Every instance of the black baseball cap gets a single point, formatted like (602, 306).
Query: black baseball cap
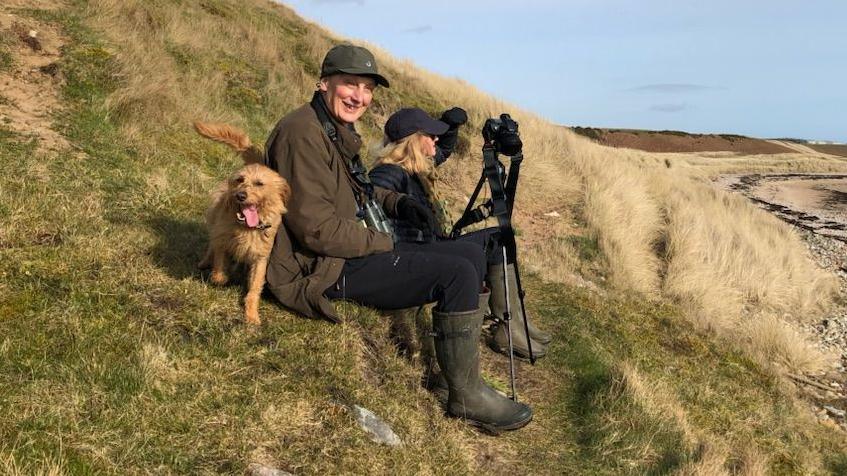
(409, 120)
(351, 59)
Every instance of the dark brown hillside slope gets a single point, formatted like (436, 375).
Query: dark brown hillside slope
(677, 141)
(834, 149)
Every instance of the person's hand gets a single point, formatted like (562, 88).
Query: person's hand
(417, 214)
(454, 117)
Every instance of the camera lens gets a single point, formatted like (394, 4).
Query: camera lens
(510, 144)
(503, 134)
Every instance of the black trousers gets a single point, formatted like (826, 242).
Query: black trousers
(489, 240)
(447, 272)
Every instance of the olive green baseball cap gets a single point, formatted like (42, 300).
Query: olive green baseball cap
(351, 59)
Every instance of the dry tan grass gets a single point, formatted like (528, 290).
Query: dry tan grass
(711, 461)
(657, 407)
(778, 343)
(727, 259)
(626, 219)
(158, 89)
(656, 401)
(10, 467)
(711, 455)
(662, 229)
(708, 165)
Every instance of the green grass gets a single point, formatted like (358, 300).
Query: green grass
(6, 63)
(587, 247)
(6, 59)
(116, 355)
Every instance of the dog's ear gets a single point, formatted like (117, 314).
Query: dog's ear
(284, 191)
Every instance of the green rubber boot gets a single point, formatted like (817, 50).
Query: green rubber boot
(540, 339)
(434, 380)
(457, 348)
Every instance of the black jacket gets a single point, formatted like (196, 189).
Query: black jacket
(396, 178)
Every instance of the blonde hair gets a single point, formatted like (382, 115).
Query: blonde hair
(407, 153)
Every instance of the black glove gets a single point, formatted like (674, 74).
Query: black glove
(454, 117)
(419, 215)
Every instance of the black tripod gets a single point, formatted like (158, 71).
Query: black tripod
(500, 205)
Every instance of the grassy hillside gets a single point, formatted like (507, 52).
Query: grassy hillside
(117, 357)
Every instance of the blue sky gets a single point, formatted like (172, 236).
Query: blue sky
(759, 68)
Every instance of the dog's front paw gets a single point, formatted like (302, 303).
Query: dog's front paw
(252, 317)
(219, 277)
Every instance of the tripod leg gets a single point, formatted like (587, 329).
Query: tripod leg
(507, 318)
(523, 310)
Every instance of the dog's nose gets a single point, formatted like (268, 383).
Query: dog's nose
(241, 196)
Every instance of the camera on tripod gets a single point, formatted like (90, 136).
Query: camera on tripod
(503, 134)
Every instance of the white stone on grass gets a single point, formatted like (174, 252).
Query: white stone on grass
(378, 430)
(835, 411)
(257, 469)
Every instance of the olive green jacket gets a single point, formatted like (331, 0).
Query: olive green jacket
(320, 229)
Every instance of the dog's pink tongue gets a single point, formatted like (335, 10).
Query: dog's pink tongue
(251, 215)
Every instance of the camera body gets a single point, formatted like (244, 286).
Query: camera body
(503, 134)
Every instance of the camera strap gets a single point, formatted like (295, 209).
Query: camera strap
(502, 194)
(512, 181)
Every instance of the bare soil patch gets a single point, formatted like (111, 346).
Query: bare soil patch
(29, 88)
(676, 141)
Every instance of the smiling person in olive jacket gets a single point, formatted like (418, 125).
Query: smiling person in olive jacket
(323, 251)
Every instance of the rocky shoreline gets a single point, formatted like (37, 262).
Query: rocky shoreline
(822, 227)
(829, 396)
(831, 331)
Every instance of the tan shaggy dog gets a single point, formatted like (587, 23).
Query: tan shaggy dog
(244, 216)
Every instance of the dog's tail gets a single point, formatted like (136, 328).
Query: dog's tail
(233, 137)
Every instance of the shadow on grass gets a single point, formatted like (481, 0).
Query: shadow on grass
(607, 421)
(837, 464)
(181, 245)
(611, 430)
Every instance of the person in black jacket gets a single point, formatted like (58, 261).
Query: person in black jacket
(407, 159)
(414, 144)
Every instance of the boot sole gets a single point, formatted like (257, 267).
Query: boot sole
(517, 352)
(492, 429)
(545, 342)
